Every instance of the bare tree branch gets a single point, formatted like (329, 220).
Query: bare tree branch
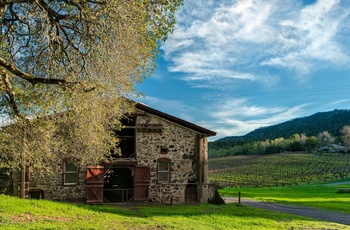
(4, 3)
(32, 79)
(53, 15)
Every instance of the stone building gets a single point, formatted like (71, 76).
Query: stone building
(163, 159)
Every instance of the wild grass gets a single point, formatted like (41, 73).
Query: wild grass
(40, 214)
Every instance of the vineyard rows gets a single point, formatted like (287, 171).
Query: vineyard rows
(283, 169)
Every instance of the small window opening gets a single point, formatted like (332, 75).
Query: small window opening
(36, 194)
(70, 173)
(164, 170)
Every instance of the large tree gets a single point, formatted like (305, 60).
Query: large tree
(51, 49)
(71, 63)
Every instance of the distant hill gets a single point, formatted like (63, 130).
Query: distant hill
(331, 121)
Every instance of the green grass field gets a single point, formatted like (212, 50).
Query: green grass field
(40, 214)
(323, 196)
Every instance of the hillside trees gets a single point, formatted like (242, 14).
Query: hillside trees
(312, 143)
(297, 142)
(300, 134)
(345, 131)
(332, 121)
(73, 62)
(325, 137)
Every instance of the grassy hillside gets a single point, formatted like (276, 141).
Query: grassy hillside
(38, 214)
(283, 169)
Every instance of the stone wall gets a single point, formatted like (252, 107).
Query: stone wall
(167, 140)
(182, 151)
(53, 188)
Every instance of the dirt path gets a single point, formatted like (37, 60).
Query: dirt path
(295, 210)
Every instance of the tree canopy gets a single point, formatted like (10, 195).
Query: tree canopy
(53, 49)
(74, 62)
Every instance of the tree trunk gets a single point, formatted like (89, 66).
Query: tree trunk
(23, 183)
(24, 162)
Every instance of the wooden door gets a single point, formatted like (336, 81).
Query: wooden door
(142, 177)
(191, 193)
(94, 184)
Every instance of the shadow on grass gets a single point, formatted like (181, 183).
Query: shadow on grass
(190, 211)
(124, 210)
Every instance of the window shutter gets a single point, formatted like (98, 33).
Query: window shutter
(142, 179)
(94, 184)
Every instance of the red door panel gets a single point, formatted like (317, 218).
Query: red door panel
(94, 184)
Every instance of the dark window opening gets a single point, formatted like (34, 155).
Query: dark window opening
(126, 145)
(191, 191)
(36, 194)
(118, 184)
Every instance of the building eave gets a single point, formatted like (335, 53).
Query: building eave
(176, 120)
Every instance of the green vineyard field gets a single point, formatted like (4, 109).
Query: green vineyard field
(284, 169)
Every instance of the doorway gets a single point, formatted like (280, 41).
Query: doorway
(118, 184)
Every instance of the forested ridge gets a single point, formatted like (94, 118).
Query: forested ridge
(300, 134)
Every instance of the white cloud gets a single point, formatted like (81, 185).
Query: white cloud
(249, 20)
(240, 108)
(235, 39)
(236, 117)
(311, 37)
(244, 46)
(339, 102)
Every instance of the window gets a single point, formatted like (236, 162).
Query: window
(70, 173)
(164, 170)
(127, 138)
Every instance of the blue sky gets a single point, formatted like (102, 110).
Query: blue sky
(232, 66)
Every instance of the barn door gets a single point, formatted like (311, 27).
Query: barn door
(94, 184)
(142, 179)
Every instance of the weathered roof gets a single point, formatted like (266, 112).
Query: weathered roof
(175, 120)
